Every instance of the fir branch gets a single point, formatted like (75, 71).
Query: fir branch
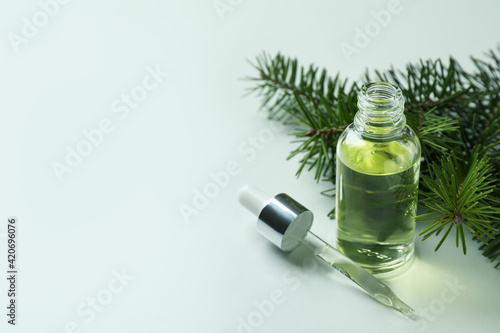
(460, 194)
(281, 80)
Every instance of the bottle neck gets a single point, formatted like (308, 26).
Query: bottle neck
(380, 109)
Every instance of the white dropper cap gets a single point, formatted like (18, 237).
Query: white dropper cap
(253, 199)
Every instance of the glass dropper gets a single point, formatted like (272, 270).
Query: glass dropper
(286, 223)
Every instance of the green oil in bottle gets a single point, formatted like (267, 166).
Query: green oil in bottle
(376, 210)
(378, 164)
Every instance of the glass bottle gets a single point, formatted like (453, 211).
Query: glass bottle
(378, 166)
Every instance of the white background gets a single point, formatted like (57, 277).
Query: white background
(118, 211)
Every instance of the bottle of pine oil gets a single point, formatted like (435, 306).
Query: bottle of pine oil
(378, 165)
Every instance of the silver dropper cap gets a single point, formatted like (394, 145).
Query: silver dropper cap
(281, 219)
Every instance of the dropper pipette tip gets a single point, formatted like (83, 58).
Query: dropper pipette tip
(402, 307)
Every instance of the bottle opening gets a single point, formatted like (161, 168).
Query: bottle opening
(381, 107)
(380, 97)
